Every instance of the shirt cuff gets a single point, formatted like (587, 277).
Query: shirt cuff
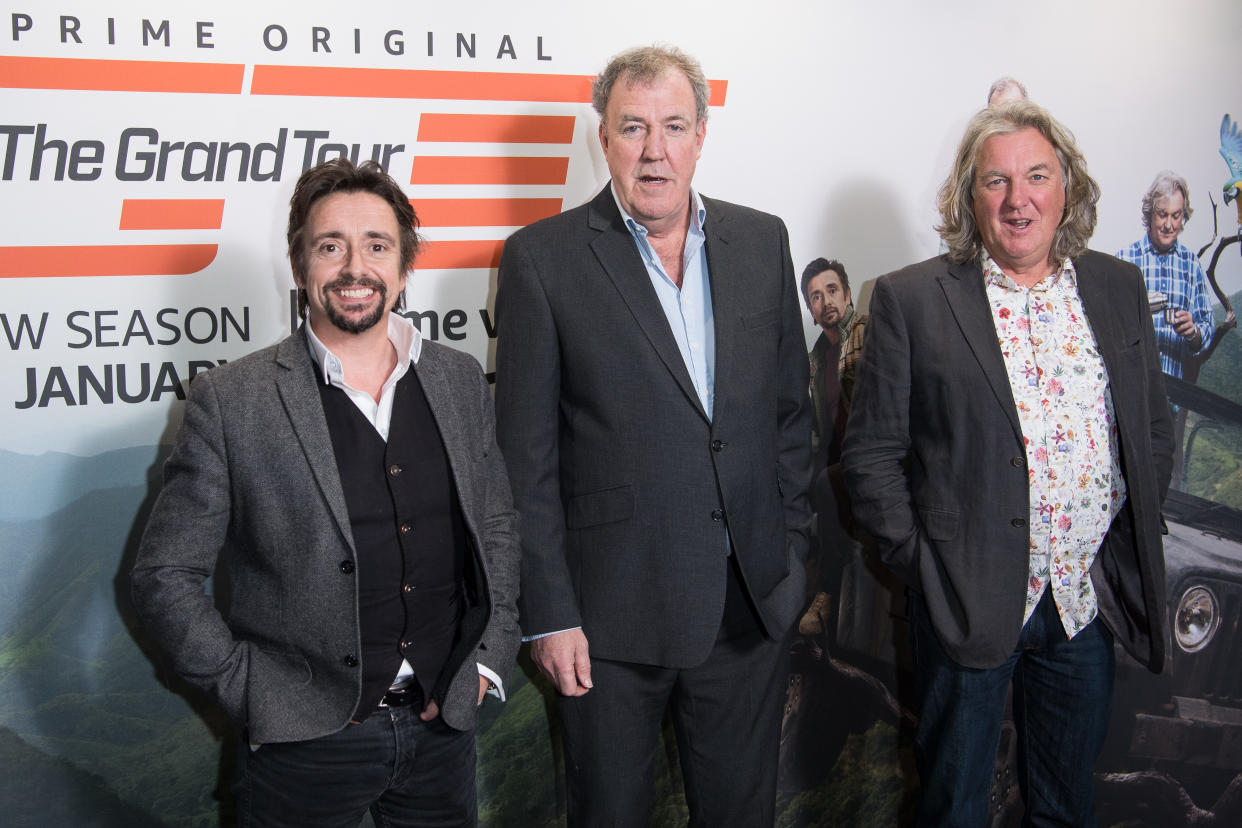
(497, 688)
(529, 638)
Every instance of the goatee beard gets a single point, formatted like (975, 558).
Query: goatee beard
(355, 325)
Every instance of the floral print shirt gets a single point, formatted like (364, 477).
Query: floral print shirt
(1060, 388)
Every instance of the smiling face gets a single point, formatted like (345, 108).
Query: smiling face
(1168, 216)
(652, 139)
(354, 273)
(1019, 195)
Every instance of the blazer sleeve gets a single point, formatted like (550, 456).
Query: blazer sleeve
(874, 455)
(1157, 399)
(501, 550)
(528, 368)
(187, 530)
(795, 414)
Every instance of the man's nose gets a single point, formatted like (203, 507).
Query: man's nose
(353, 261)
(653, 145)
(1017, 194)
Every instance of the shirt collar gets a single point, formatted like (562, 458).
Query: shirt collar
(993, 275)
(1151, 248)
(700, 213)
(405, 339)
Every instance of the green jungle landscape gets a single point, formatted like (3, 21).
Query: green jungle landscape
(95, 732)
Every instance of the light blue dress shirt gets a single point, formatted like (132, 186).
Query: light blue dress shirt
(688, 309)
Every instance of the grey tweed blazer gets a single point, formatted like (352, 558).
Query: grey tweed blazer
(252, 480)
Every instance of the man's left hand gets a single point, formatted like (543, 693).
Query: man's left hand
(483, 685)
(430, 711)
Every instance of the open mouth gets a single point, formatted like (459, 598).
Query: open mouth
(355, 293)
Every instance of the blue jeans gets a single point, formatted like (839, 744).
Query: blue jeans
(1062, 700)
(407, 772)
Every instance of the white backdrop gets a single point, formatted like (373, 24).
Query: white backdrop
(840, 117)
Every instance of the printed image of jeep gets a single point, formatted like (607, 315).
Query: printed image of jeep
(1174, 751)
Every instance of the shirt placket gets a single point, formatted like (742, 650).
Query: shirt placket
(1061, 466)
(1041, 518)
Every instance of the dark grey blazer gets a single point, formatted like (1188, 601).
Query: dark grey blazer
(625, 488)
(252, 478)
(936, 468)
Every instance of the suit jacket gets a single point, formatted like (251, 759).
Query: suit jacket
(253, 477)
(936, 466)
(628, 493)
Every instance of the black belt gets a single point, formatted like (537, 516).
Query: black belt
(408, 696)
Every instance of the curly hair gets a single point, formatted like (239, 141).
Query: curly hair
(340, 175)
(956, 199)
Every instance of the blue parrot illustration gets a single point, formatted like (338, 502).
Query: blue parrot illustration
(1231, 151)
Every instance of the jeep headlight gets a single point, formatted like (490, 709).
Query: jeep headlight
(1198, 616)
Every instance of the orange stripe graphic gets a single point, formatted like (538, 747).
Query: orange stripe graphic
(120, 75)
(329, 81)
(484, 212)
(497, 129)
(452, 255)
(105, 260)
(455, 169)
(172, 213)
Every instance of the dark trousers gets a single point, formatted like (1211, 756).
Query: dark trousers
(406, 772)
(727, 717)
(1062, 700)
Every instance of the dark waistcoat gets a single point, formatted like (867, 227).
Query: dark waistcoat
(409, 536)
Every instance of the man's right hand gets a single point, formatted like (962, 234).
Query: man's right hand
(563, 658)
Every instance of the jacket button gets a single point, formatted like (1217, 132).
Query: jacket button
(405, 645)
(718, 514)
(350, 661)
(347, 566)
(394, 470)
(718, 445)
(407, 588)
(1017, 462)
(1017, 523)
(406, 528)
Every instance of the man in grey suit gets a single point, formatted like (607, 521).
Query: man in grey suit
(1009, 448)
(652, 405)
(350, 477)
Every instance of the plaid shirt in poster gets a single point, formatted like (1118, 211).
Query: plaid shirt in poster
(1176, 274)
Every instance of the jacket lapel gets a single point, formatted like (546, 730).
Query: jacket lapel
(300, 395)
(968, 302)
(725, 279)
(437, 388)
(618, 255)
(1096, 304)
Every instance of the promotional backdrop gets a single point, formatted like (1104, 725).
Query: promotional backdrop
(147, 155)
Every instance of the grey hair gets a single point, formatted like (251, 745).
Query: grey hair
(956, 198)
(644, 64)
(1001, 84)
(1166, 184)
